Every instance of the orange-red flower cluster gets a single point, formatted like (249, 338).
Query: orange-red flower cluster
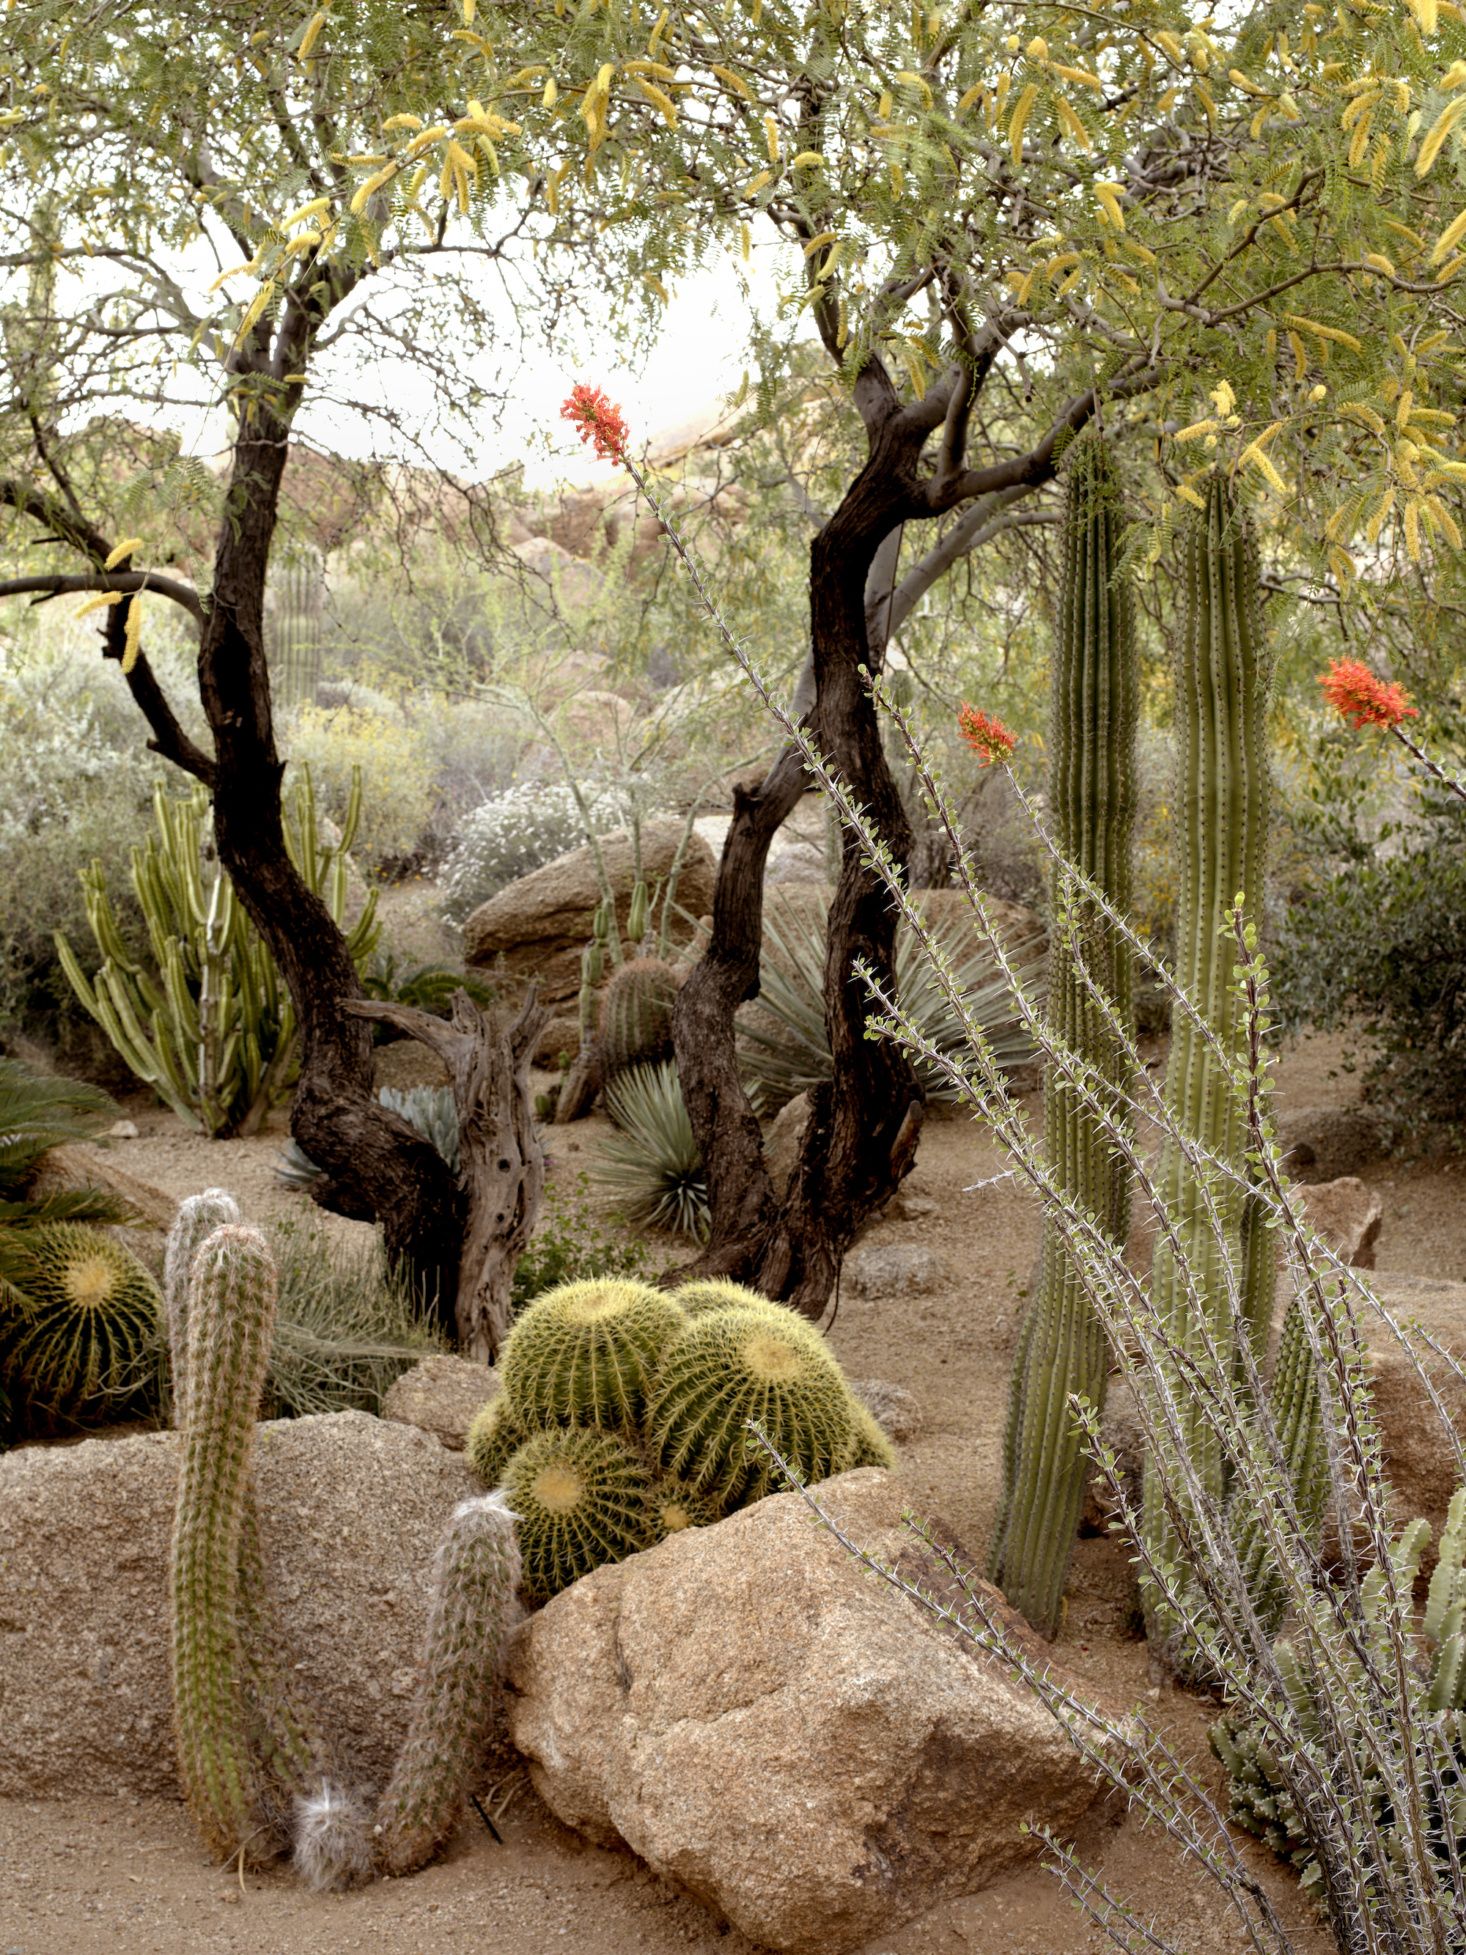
(597, 420)
(1364, 700)
(989, 739)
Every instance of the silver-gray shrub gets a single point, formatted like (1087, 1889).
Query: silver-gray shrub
(516, 831)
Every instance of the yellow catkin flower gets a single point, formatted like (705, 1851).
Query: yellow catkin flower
(1187, 494)
(1380, 516)
(756, 183)
(311, 35)
(659, 99)
(104, 602)
(1403, 406)
(973, 94)
(120, 550)
(1108, 195)
(1021, 112)
(132, 634)
(1196, 430)
(818, 242)
(1446, 243)
(551, 94)
(1444, 520)
(314, 209)
(771, 138)
(1081, 77)
(1412, 528)
(1263, 464)
(1076, 128)
(1336, 334)
(745, 239)
(1444, 123)
(729, 80)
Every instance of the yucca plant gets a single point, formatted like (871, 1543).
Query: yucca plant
(653, 1164)
(783, 1044)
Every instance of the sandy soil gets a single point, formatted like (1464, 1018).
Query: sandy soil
(107, 1875)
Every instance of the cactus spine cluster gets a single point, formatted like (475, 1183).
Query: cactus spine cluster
(1063, 1350)
(88, 1318)
(475, 1577)
(636, 1015)
(623, 1417)
(210, 1027)
(1222, 680)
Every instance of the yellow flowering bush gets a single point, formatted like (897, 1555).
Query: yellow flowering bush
(396, 775)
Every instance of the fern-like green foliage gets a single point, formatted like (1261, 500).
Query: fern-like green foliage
(210, 1026)
(80, 1319)
(653, 1165)
(783, 1045)
(39, 1111)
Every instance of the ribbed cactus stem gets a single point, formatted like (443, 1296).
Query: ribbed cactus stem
(1293, 1399)
(1221, 829)
(473, 1608)
(1062, 1350)
(197, 1218)
(232, 1314)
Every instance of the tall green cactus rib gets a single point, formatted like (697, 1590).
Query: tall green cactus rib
(197, 1218)
(475, 1577)
(1297, 1412)
(231, 1320)
(210, 1027)
(1222, 675)
(1095, 704)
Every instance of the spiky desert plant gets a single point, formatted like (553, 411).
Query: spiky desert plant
(1222, 675)
(494, 1437)
(1094, 709)
(636, 1016)
(873, 1446)
(346, 1325)
(718, 1293)
(210, 1026)
(739, 1365)
(1297, 1413)
(231, 1318)
(653, 1164)
(784, 1047)
(588, 1353)
(197, 1218)
(80, 1318)
(475, 1576)
(581, 1498)
(433, 1111)
(676, 1505)
(39, 1111)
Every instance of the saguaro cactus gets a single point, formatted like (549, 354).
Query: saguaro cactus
(1095, 702)
(1222, 676)
(233, 1316)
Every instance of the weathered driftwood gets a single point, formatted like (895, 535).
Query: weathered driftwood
(502, 1164)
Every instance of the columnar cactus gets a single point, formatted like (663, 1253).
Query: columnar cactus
(1293, 1399)
(1222, 679)
(636, 1015)
(475, 1577)
(197, 1218)
(232, 1318)
(1095, 702)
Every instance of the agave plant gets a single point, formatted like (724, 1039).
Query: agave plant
(430, 1109)
(783, 1046)
(652, 1164)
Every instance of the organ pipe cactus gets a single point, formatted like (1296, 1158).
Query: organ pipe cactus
(232, 1317)
(1095, 702)
(1222, 676)
(210, 1027)
(475, 1577)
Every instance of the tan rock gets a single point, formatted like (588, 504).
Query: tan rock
(540, 924)
(1347, 1214)
(351, 1508)
(440, 1395)
(1321, 1143)
(1419, 1461)
(895, 1409)
(782, 1141)
(786, 1739)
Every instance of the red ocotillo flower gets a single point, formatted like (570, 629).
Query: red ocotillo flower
(989, 739)
(1362, 698)
(598, 421)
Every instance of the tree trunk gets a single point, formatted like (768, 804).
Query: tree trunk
(860, 1139)
(376, 1166)
(501, 1162)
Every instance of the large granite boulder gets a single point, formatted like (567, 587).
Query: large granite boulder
(441, 1394)
(791, 1742)
(538, 926)
(351, 1509)
(1419, 1460)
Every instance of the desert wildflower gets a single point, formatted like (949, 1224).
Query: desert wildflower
(598, 421)
(989, 739)
(1363, 699)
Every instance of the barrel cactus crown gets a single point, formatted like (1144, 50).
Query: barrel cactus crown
(717, 1293)
(494, 1436)
(587, 1353)
(636, 1015)
(581, 1498)
(742, 1365)
(85, 1323)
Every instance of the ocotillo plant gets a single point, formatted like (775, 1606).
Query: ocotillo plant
(1063, 1350)
(1204, 1271)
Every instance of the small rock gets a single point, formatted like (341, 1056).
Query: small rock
(122, 1130)
(1322, 1143)
(1347, 1214)
(1418, 1461)
(895, 1409)
(440, 1395)
(892, 1269)
(783, 1738)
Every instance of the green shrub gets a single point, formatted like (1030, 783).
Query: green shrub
(339, 743)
